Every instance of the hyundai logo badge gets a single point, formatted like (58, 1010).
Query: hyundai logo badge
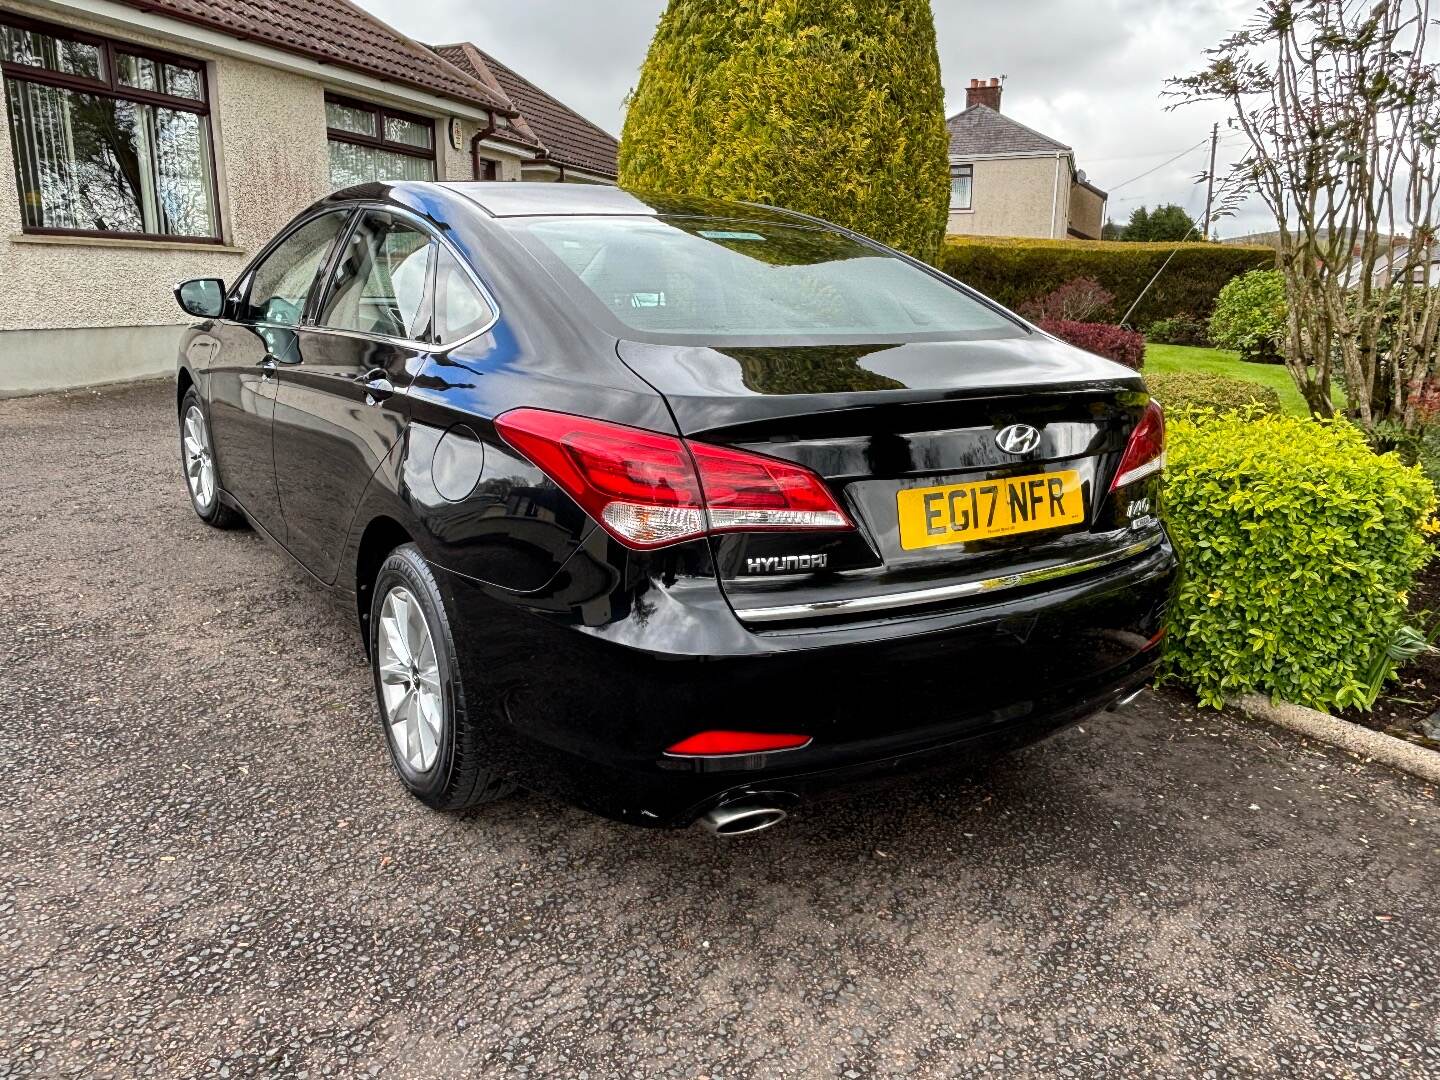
(1018, 439)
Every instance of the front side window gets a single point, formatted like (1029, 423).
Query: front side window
(281, 283)
(107, 138)
(962, 183)
(369, 143)
(381, 280)
(712, 280)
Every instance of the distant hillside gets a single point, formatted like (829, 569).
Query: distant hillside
(1271, 239)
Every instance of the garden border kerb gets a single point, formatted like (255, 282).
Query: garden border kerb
(1376, 745)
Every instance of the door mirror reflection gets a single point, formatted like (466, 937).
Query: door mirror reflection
(202, 297)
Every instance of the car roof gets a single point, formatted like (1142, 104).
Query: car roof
(532, 199)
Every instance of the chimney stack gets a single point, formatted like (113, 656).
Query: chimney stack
(979, 92)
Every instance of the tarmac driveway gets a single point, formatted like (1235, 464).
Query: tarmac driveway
(206, 868)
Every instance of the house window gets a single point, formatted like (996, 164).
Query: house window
(108, 138)
(962, 181)
(369, 143)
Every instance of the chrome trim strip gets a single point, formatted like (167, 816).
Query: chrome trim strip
(886, 601)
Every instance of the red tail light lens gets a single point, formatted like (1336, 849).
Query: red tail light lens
(1145, 453)
(720, 743)
(649, 489)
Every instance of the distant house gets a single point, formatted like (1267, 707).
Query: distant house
(1009, 180)
(567, 147)
(157, 140)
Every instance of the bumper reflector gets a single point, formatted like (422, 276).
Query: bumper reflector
(722, 743)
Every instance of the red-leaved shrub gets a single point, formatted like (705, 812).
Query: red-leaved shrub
(1078, 300)
(1113, 342)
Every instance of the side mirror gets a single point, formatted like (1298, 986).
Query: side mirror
(202, 297)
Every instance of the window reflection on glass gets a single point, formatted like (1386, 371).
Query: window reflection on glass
(406, 131)
(720, 279)
(351, 164)
(346, 118)
(137, 71)
(53, 53)
(460, 309)
(182, 81)
(379, 282)
(96, 163)
(282, 282)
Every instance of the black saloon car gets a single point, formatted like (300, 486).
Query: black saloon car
(675, 509)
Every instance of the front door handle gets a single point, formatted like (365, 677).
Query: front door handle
(377, 387)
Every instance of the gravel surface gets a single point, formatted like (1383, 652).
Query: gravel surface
(206, 868)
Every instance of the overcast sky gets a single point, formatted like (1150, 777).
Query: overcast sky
(1086, 72)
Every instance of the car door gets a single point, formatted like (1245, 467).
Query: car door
(251, 345)
(340, 407)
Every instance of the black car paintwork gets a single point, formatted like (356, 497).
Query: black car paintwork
(584, 659)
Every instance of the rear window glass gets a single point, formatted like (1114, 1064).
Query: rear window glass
(717, 280)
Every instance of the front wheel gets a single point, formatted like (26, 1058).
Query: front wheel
(197, 457)
(433, 739)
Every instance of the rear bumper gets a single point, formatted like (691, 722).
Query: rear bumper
(584, 712)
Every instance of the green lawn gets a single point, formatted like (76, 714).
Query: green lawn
(1168, 358)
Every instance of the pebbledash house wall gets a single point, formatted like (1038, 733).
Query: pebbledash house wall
(85, 310)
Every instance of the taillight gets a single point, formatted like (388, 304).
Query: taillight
(725, 743)
(649, 490)
(1145, 453)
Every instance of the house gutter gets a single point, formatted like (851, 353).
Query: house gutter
(475, 141)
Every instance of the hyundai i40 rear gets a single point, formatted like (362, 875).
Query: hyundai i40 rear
(677, 510)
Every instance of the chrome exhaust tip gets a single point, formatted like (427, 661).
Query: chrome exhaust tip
(739, 818)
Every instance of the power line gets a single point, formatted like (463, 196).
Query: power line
(1188, 150)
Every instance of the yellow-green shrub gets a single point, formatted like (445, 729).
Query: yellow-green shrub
(831, 107)
(1204, 389)
(1298, 545)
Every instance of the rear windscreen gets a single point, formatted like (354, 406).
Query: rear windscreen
(716, 279)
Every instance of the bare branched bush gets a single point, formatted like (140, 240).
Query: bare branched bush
(1340, 108)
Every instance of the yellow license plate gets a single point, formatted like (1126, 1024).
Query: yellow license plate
(955, 513)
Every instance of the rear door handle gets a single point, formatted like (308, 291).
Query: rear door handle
(377, 387)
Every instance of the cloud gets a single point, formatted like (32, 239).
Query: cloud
(1087, 73)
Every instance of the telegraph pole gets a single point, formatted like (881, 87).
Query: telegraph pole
(1210, 182)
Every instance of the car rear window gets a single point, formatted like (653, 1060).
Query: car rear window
(717, 280)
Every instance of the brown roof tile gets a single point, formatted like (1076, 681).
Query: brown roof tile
(566, 136)
(334, 32)
(469, 60)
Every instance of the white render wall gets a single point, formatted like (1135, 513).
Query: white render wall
(1016, 197)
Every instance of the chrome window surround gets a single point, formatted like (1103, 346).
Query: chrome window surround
(886, 601)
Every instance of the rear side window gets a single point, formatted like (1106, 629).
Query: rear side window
(715, 280)
(281, 283)
(460, 308)
(380, 283)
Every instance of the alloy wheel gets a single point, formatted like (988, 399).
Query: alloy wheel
(409, 680)
(199, 461)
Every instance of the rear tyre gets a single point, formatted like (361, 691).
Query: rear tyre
(433, 737)
(197, 458)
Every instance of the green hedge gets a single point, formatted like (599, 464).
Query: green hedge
(1298, 545)
(1203, 389)
(833, 107)
(1014, 271)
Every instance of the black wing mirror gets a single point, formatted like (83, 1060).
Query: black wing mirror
(202, 297)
